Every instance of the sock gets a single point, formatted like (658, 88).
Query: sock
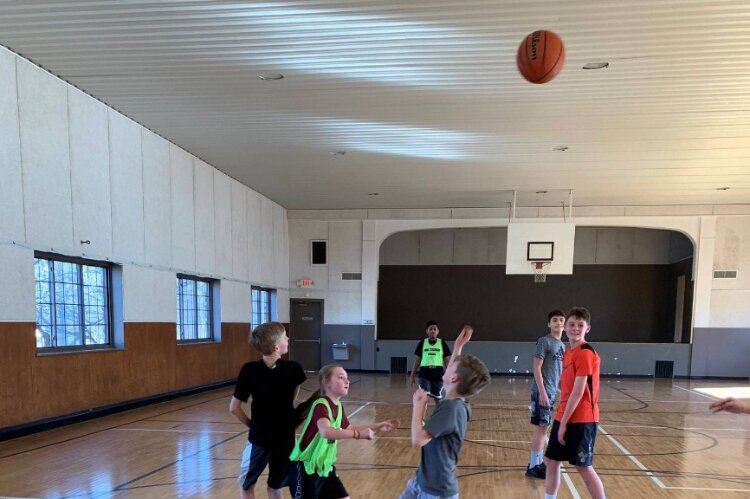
(537, 457)
(550, 496)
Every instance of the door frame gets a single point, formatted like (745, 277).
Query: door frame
(322, 321)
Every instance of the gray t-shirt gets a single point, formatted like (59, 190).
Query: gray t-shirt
(437, 469)
(550, 350)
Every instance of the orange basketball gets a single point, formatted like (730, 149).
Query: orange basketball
(541, 56)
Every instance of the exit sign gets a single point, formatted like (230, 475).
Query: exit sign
(305, 283)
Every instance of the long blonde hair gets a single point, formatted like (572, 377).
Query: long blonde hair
(324, 376)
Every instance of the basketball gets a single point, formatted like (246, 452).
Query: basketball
(541, 56)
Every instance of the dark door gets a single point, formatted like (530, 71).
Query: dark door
(306, 322)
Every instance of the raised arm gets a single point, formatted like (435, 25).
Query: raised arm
(463, 339)
(419, 437)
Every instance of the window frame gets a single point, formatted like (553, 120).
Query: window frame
(271, 292)
(80, 262)
(211, 330)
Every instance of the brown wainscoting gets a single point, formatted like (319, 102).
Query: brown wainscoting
(37, 387)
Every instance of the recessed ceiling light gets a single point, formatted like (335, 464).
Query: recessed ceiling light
(542, 192)
(722, 188)
(271, 76)
(596, 65)
(560, 148)
(338, 153)
(373, 194)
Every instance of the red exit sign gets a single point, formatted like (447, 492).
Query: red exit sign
(305, 283)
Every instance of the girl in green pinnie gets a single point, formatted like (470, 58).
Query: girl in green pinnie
(313, 475)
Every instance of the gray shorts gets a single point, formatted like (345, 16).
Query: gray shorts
(414, 491)
(541, 416)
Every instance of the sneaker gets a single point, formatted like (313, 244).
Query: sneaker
(538, 471)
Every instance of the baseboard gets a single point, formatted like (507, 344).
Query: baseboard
(10, 432)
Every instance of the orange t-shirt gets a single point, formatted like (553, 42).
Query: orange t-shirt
(580, 361)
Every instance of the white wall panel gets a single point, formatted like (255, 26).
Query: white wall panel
(584, 248)
(650, 246)
(222, 223)
(343, 307)
(266, 240)
(344, 253)
(204, 217)
(183, 213)
(126, 174)
(436, 247)
(401, 248)
(45, 153)
(280, 265)
(732, 252)
(282, 300)
(157, 204)
(497, 242)
(235, 301)
(11, 187)
(17, 302)
(255, 231)
(301, 233)
(89, 164)
(730, 308)
(239, 230)
(149, 295)
(470, 247)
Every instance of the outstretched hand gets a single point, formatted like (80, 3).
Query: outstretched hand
(464, 337)
(729, 404)
(389, 425)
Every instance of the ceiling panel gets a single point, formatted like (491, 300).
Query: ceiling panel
(422, 97)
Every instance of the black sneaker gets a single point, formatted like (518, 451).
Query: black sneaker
(538, 471)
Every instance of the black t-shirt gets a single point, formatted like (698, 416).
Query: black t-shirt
(272, 408)
(434, 373)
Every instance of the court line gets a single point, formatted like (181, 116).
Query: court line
(174, 431)
(632, 458)
(689, 390)
(674, 427)
(355, 412)
(708, 489)
(569, 482)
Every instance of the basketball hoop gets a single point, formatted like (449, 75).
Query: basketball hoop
(540, 271)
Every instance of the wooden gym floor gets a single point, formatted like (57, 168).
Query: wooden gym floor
(657, 440)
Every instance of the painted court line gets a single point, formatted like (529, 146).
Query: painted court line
(173, 431)
(569, 483)
(694, 392)
(355, 412)
(632, 458)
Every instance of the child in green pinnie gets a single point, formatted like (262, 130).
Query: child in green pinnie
(313, 475)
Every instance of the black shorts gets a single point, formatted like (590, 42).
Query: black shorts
(304, 486)
(255, 459)
(433, 387)
(579, 444)
(540, 416)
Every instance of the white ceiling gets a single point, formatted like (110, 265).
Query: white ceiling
(423, 96)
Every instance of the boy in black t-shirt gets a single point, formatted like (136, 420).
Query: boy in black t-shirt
(431, 352)
(273, 384)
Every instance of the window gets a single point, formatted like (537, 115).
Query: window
(261, 306)
(73, 306)
(318, 252)
(194, 309)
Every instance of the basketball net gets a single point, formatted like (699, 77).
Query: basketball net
(540, 271)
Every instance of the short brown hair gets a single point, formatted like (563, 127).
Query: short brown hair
(579, 313)
(265, 336)
(473, 375)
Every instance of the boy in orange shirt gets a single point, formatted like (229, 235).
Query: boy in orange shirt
(577, 419)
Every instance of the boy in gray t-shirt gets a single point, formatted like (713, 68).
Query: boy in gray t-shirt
(442, 436)
(547, 365)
